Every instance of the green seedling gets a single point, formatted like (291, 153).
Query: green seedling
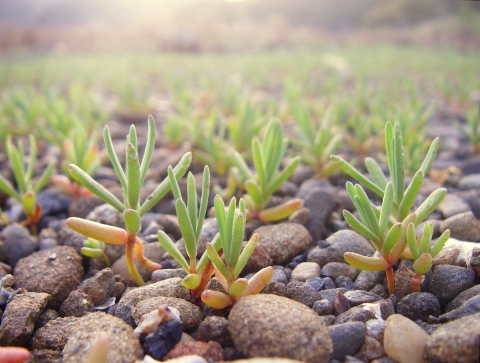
(231, 227)
(386, 228)
(267, 157)
(27, 187)
(190, 220)
(131, 180)
(420, 249)
(472, 129)
(95, 249)
(175, 131)
(317, 141)
(80, 149)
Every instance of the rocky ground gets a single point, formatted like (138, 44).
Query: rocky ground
(315, 309)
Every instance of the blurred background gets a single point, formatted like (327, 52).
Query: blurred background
(223, 26)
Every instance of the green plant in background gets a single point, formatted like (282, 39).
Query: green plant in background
(267, 157)
(175, 131)
(420, 249)
(231, 227)
(317, 141)
(472, 129)
(386, 229)
(28, 188)
(95, 249)
(131, 180)
(190, 220)
(81, 149)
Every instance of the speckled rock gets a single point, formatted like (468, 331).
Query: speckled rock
(419, 306)
(124, 346)
(376, 310)
(190, 314)
(56, 271)
(302, 292)
(347, 339)
(100, 287)
(46, 316)
(366, 280)
(469, 307)
(54, 334)
(255, 322)
(260, 259)
(475, 261)
(19, 317)
(321, 203)
(340, 242)
(463, 226)
(152, 251)
(358, 297)
(336, 269)
(78, 303)
(449, 281)
(457, 341)
(169, 273)
(45, 356)
(371, 349)
(266, 360)
(18, 243)
(215, 328)
(453, 205)
(306, 270)
(323, 307)
(210, 351)
(376, 329)
(462, 298)
(404, 340)
(283, 241)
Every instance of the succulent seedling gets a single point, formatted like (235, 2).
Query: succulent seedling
(190, 220)
(95, 249)
(131, 180)
(28, 188)
(231, 227)
(267, 157)
(420, 249)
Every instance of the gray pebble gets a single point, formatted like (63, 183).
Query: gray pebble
(449, 281)
(336, 269)
(347, 339)
(419, 306)
(323, 307)
(464, 226)
(358, 297)
(306, 270)
(18, 243)
(302, 292)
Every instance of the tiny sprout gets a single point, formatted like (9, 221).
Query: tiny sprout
(95, 249)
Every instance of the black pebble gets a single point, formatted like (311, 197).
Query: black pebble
(163, 339)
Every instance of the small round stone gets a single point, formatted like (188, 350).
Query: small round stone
(305, 271)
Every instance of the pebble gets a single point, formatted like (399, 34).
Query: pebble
(163, 339)
(316, 282)
(419, 306)
(77, 304)
(53, 202)
(449, 281)
(345, 282)
(83, 206)
(190, 314)
(462, 298)
(453, 205)
(323, 307)
(215, 328)
(300, 216)
(404, 340)
(372, 349)
(211, 351)
(124, 347)
(283, 241)
(46, 316)
(68, 237)
(469, 307)
(321, 203)
(266, 360)
(152, 251)
(475, 261)
(470, 181)
(358, 297)
(340, 242)
(19, 317)
(305, 271)
(336, 269)
(106, 214)
(463, 226)
(47, 239)
(279, 275)
(366, 280)
(255, 322)
(18, 243)
(376, 329)
(456, 341)
(328, 283)
(302, 292)
(376, 310)
(347, 339)
(56, 271)
(330, 293)
(46, 356)
(260, 259)
(275, 288)
(54, 334)
(100, 287)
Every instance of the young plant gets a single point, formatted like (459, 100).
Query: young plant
(267, 157)
(28, 188)
(472, 129)
(190, 220)
(95, 249)
(420, 249)
(386, 228)
(131, 180)
(231, 227)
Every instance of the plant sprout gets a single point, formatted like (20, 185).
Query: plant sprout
(131, 180)
(95, 249)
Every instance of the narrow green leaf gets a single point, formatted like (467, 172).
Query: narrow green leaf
(133, 177)
(172, 250)
(203, 202)
(364, 262)
(32, 157)
(91, 252)
(227, 242)
(376, 173)
(240, 163)
(386, 209)
(389, 148)
(237, 239)
(174, 183)
(192, 201)
(217, 262)
(132, 136)
(45, 177)
(147, 155)
(429, 205)
(258, 162)
(186, 228)
(391, 239)
(424, 245)
(179, 171)
(216, 244)
(88, 182)
(398, 177)
(370, 216)
(432, 152)
(412, 241)
(410, 195)
(437, 247)
(16, 163)
(422, 264)
(357, 175)
(283, 176)
(245, 255)
(113, 158)
(255, 193)
(7, 187)
(355, 224)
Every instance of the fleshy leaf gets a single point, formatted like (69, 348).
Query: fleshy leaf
(191, 281)
(238, 286)
(102, 232)
(215, 299)
(364, 262)
(258, 281)
(423, 264)
(280, 212)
